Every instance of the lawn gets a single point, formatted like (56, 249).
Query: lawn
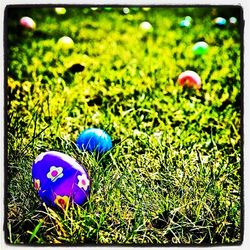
(174, 174)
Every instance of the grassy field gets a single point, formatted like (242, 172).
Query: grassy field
(174, 173)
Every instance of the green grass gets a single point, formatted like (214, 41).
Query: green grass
(174, 173)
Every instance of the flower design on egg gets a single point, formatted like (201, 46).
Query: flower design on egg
(83, 181)
(55, 173)
(37, 184)
(62, 201)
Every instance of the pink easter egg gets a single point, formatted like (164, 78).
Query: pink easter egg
(27, 23)
(190, 78)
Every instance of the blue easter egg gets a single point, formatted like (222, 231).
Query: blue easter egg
(185, 23)
(220, 21)
(94, 139)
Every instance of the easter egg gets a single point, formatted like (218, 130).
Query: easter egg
(146, 26)
(94, 139)
(60, 180)
(27, 23)
(190, 78)
(185, 23)
(220, 21)
(108, 8)
(60, 10)
(232, 20)
(189, 18)
(125, 10)
(65, 43)
(200, 48)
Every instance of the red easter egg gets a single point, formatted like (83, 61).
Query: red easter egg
(27, 23)
(190, 78)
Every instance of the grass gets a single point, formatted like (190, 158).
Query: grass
(173, 175)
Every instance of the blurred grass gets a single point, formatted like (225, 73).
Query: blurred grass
(174, 174)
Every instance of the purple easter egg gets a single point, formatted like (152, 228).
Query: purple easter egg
(60, 179)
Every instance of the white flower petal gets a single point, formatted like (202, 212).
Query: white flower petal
(86, 180)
